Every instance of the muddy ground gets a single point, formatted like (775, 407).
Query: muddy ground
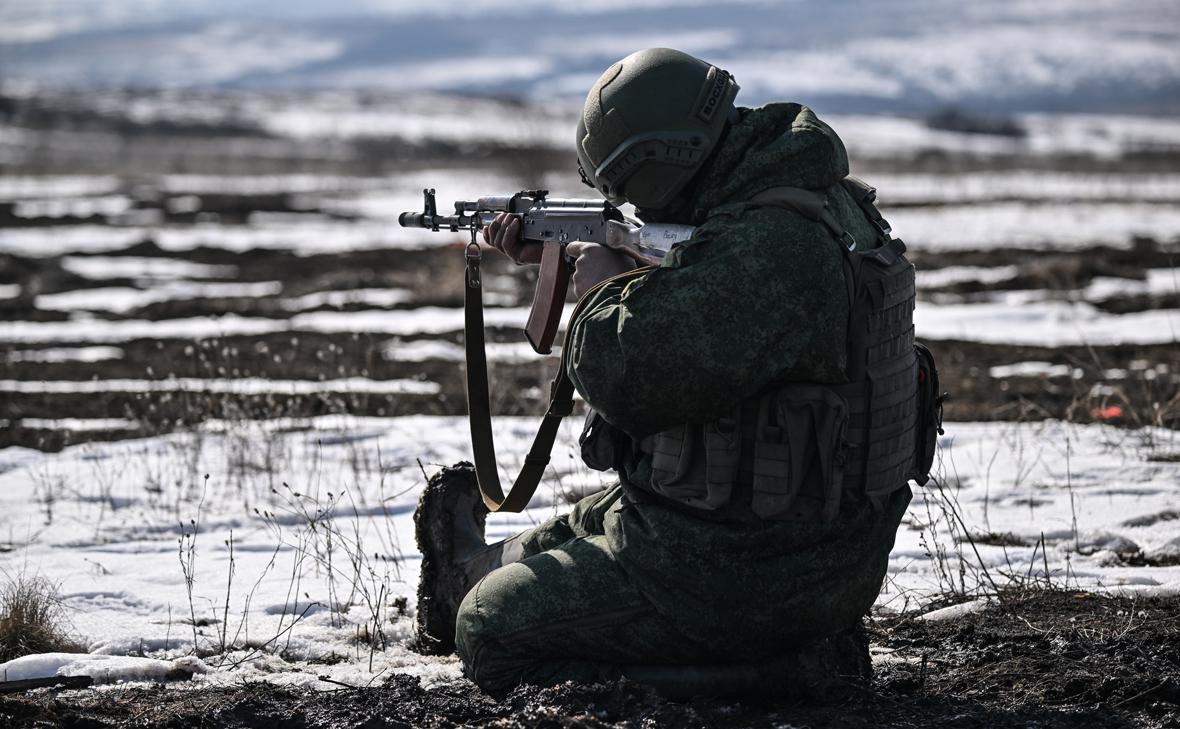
(71, 133)
(1141, 381)
(1037, 659)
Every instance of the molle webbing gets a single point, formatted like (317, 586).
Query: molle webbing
(804, 448)
(881, 365)
(883, 372)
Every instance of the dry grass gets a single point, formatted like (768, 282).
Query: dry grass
(32, 618)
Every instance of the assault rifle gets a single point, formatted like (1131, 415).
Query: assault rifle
(554, 223)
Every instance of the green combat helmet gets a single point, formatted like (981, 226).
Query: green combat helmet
(649, 124)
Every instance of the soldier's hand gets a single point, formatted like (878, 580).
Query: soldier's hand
(594, 263)
(503, 234)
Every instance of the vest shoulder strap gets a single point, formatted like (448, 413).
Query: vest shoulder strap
(809, 204)
(865, 196)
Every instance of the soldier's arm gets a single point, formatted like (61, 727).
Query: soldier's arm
(750, 300)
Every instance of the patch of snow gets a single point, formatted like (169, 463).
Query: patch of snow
(1047, 226)
(121, 300)
(1033, 369)
(19, 187)
(240, 386)
(422, 350)
(99, 268)
(1169, 550)
(101, 668)
(941, 277)
(957, 611)
(423, 320)
(1106, 136)
(194, 184)
(79, 425)
(367, 297)
(1104, 541)
(117, 511)
(82, 207)
(65, 354)
(1026, 185)
(1044, 323)
(1157, 282)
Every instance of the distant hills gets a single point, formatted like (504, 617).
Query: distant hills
(840, 56)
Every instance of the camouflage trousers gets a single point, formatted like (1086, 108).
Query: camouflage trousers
(571, 609)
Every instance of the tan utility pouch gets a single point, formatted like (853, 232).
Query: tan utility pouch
(799, 451)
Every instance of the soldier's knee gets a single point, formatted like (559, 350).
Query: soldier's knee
(478, 627)
(469, 627)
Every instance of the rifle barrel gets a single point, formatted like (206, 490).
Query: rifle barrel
(437, 222)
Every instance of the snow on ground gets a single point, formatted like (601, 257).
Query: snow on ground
(64, 354)
(84, 207)
(950, 275)
(421, 350)
(76, 425)
(18, 187)
(1156, 282)
(1027, 185)
(141, 268)
(297, 542)
(425, 319)
(101, 668)
(1047, 226)
(1106, 136)
(1023, 319)
(1083, 502)
(239, 386)
(121, 299)
(1033, 369)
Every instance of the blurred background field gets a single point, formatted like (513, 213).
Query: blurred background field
(201, 273)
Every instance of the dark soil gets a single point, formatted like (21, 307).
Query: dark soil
(1146, 393)
(1045, 659)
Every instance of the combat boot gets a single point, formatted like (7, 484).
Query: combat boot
(449, 529)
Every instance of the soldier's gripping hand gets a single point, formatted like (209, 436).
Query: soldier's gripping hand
(503, 234)
(594, 263)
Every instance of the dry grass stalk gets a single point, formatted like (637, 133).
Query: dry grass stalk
(31, 618)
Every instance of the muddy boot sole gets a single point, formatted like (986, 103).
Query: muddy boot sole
(442, 584)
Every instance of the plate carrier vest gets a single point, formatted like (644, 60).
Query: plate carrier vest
(799, 450)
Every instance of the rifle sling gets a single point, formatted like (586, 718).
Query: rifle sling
(561, 400)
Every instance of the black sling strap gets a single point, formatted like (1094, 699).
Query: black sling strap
(561, 398)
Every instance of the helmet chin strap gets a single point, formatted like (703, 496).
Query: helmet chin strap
(678, 211)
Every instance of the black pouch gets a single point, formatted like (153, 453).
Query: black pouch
(930, 401)
(602, 444)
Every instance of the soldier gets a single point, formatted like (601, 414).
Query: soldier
(756, 394)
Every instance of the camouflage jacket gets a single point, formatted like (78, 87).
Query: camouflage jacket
(756, 297)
